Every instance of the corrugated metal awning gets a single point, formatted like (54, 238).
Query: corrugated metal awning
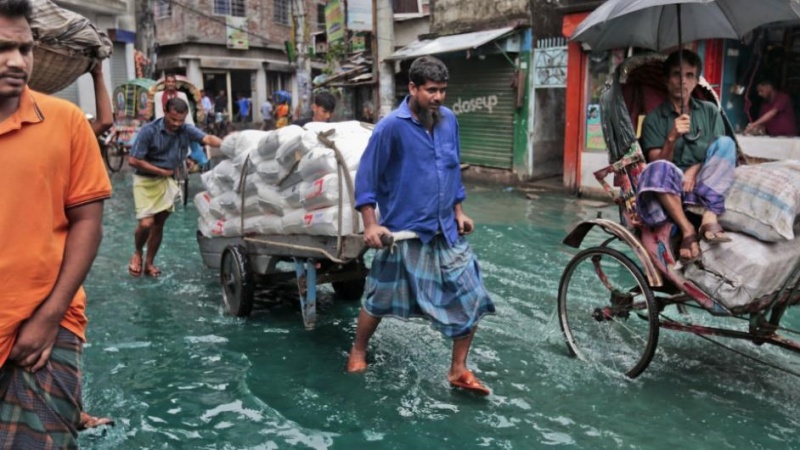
(447, 44)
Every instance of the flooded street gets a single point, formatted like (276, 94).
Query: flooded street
(175, 372)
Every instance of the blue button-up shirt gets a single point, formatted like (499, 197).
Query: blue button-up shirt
(163, 149)
(413, 176)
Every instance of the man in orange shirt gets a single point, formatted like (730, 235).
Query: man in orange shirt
(51, 225)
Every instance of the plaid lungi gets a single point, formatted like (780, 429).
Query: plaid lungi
(41, 410)
(713, 181)
(429, 280)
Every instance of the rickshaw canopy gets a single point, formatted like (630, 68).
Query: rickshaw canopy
(192, 92)
(132, 100)
(663, 24)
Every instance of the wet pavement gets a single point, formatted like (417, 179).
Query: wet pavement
(175, 372)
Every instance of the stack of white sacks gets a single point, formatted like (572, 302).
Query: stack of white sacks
(291, 182)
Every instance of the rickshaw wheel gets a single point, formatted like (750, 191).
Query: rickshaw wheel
(114, 156)
(236, 278)
(608, 312)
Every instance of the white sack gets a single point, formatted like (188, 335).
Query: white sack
(322, 222)
(324, 192)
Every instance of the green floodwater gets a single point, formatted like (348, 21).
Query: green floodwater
(175, 372)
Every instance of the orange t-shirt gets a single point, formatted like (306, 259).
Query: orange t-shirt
(50, 161)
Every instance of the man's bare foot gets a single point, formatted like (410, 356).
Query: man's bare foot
(87, 421)
(357, 362)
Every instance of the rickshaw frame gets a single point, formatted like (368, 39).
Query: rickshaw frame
(660, 282)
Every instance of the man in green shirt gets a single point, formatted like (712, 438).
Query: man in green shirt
(691, 161)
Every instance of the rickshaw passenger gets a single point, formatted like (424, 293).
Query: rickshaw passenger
(682, 171)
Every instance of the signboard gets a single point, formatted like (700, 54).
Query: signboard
(334, 21)
(594, 128)
(235, 32)
(359, 15)
(358, 43)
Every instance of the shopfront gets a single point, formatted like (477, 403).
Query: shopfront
(733, 68)
(487, 91)
(587, 72)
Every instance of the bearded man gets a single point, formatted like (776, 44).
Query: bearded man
(411, 171)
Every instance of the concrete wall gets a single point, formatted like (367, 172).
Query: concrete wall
(545, 18)
(548, 132)
(408, 31)
(201, 26)
(461, 16)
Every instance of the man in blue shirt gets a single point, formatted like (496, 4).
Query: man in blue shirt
(244, 104)
(411, 172)
(159, 150)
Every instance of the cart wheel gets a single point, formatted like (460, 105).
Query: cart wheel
(349, 290)
(607, 311)
(236, 279)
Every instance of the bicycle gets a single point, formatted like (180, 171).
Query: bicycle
(113, 151)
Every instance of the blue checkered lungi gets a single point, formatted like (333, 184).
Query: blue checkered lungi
(430, 280)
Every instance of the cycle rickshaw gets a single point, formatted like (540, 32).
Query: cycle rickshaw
(132, 104)
(613, 303)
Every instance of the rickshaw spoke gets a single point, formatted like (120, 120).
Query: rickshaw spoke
(601, 289)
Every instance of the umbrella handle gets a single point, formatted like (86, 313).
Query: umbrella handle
(694, 137)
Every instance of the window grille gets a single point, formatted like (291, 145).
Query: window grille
(282, 10)
(229, 8)
(163, 9)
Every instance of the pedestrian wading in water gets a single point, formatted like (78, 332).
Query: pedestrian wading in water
(411, 171)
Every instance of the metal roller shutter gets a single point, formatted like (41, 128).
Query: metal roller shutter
(69, 93)
(119, 66)
(481, 95)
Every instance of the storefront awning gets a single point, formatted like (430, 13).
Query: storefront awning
(446, 44)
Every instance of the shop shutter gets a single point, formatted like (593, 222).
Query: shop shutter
(69, 93)
(119, 66)
(481, 95)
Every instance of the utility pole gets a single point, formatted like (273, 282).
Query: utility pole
(145, 33)
(384, 32)
(303, 69)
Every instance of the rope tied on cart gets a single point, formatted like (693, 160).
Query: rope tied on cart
(344, 177)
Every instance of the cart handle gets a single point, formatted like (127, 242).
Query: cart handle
(390, 240)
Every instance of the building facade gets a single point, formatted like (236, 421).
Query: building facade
(115, 17)
(489, 49)
(235, 46)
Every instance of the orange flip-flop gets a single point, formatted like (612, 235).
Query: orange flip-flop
(468, 381)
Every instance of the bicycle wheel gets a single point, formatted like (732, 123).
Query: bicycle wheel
(114, 156)
(607, 311)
